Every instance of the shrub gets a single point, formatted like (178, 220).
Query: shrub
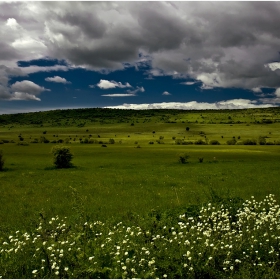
(111, 141)
(5, 141)
(200, 159)
(231, 142)
(262, 140)
(22, 143)
(43, 139)
(62, 156)
(187, 128)
(173, 138)
(161, 137)
(183, 158)
(104, 146)
(151, 142)
(187, 142)
(249, 142)
(1, 142)
(2, 161)
(270, 143)
(214, 142)
(178, 141)
(200, 142)
(277, 142)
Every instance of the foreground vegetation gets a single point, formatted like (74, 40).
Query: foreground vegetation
(136, 191)
(227, 238)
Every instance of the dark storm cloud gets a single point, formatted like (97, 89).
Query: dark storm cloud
(220, 44)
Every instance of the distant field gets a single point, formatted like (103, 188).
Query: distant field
(110, 181)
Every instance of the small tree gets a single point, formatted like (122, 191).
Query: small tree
(187, 128)
(2, 161)
(62, 156)
(183, 158)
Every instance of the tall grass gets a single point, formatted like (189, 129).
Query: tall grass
(226, 238)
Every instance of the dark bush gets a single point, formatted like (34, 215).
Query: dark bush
(262, 140)
(151, 142)
(200, 142)
(2, 161)
(22, 143)
(111, 141)
(62, 156)
(187, 142)
(200, 159)
(1, 142)
(249, 142)
(43, 139)
(214, 142)
(231, 142)
(183, 158)
(103, 145)
(178, 141)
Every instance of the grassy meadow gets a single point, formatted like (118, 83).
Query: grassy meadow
(126, 169)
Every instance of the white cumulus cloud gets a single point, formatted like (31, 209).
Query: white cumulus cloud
(194, 105)
(105, 84)
(28, 87)
(166, 93)
(119, 94)
(57, 79)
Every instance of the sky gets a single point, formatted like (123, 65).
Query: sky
(139, 55)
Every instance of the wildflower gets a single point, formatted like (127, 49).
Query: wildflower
(34, 271)
(164, 276)
(124, 267)
(66, 268)
(57, 272)
(90, 258)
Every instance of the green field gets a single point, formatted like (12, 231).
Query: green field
(130, 176)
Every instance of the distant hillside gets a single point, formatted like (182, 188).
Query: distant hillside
(103, 115)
